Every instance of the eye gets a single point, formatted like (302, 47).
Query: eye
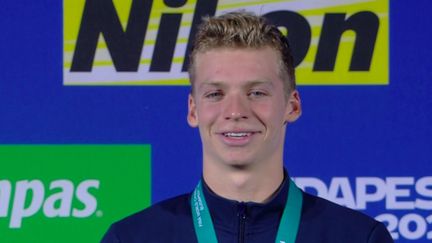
(257, 93)
(213, 95)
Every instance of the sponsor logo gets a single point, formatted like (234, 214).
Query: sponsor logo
(70, 193)
(148, 42)
(57, 204)
(407, 200)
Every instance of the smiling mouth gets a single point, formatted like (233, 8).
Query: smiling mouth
(237, 134)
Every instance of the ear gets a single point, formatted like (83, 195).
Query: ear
(293, 108)
(192, 117)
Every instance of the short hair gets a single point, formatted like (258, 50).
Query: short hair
(243, 30)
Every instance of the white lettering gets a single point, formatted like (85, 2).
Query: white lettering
(342, 185)
(422, 189)
(5, 191)
(393, 192)
(314, 183)
(18, 209)
(419, 229)
(89, 201)
(392, 224)
(63, 198)
(362, 194)
(29, 198)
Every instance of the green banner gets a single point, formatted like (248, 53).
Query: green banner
(70, 193)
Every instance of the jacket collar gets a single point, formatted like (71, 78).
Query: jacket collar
(226, 213)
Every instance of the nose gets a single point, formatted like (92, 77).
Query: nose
(236, 108)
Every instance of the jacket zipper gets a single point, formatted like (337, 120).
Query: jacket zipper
(242, 221)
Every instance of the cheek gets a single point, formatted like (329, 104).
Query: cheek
(207, 114)
(270, 113)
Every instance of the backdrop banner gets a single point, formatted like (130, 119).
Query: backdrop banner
(70, 193)
(93, 104)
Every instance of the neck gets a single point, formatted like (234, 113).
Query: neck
(244, 184)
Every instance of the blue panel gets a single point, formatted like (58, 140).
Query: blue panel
(346, 131)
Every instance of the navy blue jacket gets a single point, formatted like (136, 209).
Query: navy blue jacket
(321, 222)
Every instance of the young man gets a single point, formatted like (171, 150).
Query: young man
(243, 96)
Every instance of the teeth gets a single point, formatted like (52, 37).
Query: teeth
(236, 134)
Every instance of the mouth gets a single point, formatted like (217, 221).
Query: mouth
(238, 135)
(237, 138)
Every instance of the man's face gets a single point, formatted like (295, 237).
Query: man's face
(240, 106)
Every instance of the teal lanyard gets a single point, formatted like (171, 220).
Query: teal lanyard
(288, 226)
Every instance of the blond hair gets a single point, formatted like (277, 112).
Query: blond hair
(243, 30)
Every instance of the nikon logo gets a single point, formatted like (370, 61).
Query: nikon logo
(148, 42)
(30, 197)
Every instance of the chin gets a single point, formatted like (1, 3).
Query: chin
(240, 167)
(238, 163)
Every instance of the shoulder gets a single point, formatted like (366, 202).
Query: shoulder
(328, 220)
(316, 208)
(175, 207)
(155, 223)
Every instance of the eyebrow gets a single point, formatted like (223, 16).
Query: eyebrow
(260, 82)
(211, 83)
(248, 83)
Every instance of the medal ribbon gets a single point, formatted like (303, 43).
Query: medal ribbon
(288, 226)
